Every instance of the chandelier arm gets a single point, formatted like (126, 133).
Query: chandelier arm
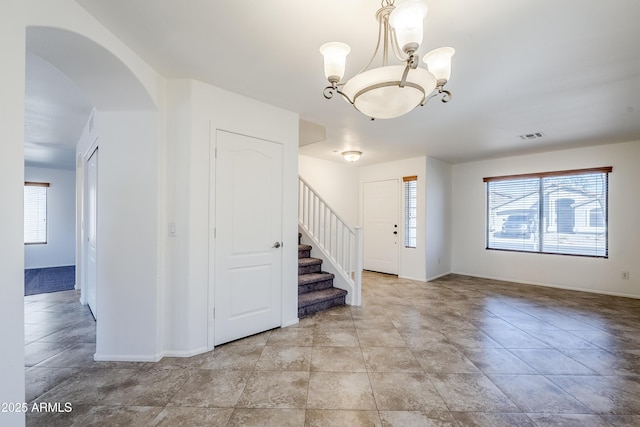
(375, 52)
(329, 91)
(396, 48)
(385, 48)
(405, 73)
(446, 96)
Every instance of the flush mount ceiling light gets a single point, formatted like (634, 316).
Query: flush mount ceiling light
(390, 91)
(351, 156)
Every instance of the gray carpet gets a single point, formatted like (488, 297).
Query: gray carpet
(45, 280)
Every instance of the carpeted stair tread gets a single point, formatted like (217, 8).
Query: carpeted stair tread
(304, 251)
(309, 265)
(314, 282)
(320, 296)
(304, 262)
(316, 301)
(304, 279)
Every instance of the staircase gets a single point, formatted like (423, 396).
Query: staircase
(338, 244)
(315, 287)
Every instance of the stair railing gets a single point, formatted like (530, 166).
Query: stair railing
(340, 244)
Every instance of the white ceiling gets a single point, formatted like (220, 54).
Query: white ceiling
(56, 112)
(569, 69)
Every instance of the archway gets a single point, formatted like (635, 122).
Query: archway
(126, 123)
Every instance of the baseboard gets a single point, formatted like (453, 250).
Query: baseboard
(411, 278)
(182, 353)
(48, 266)
(125, 358)
(290, 323)
(549, 285)
(438, 276)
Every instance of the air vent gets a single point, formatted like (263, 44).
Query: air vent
(536, 135)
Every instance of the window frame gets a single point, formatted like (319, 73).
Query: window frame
(605, 170)
(38, 229)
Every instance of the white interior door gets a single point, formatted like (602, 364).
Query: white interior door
(91, 222)
(248, 236)
(380, 218)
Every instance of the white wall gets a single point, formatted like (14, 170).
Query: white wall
(589, 274)
(128, 274)
(438, 218)
(85, 143)
(336, 183)
(197, 110)
(411, 261)
(184, 331)
(12, 41)
(61, 219)
(128, 236)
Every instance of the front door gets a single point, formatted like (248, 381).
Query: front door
(380, 217)
(247, 236)
(91, 222)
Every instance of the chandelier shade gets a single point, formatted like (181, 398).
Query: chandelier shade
(390, 91)
(376, 93)
(439, 62)
(335, 58)
(406, 20)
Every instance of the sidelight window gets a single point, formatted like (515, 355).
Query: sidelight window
(410, 211)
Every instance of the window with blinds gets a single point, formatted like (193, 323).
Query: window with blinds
(35, 212)
(410, 211)
(562, 212)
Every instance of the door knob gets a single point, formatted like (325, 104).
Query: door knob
(277, 245)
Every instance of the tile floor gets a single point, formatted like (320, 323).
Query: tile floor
(458, 351)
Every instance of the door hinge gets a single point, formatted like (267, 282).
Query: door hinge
(214, 232)
(214, 313)
(215, 152)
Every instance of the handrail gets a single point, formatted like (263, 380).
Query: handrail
(340, 244)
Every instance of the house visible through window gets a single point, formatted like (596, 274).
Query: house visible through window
(561, 212)
(410, 210)
(35, 212)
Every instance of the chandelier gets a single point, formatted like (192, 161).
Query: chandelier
(391, 91)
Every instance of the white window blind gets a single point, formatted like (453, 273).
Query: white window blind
(562, 212)
(35, 212)
(410, 211)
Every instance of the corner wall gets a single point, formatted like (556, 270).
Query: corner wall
(129, 277)
(196, 110)
(571, 272)
(12, 42)
(438, 218)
